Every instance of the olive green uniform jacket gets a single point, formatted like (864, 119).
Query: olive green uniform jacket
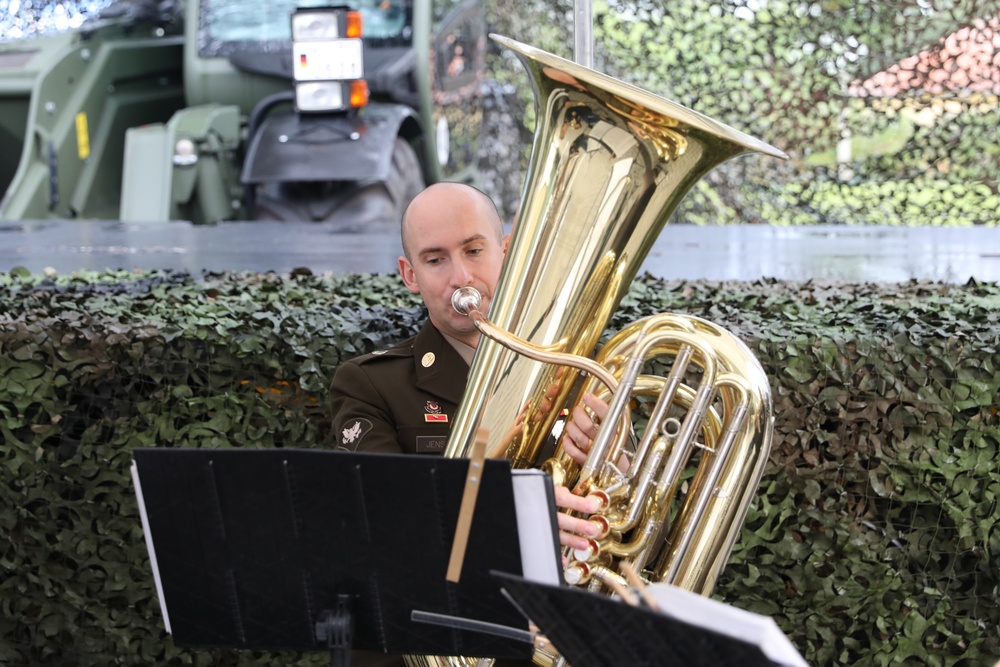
(400, 400)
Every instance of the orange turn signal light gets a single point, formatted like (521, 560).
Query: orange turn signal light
(359, 93)
(353, 24)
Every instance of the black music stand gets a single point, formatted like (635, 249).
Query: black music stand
(592, 630)
(323, 550)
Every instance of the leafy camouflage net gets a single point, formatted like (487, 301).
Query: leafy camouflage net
(886, 109)
(872, 540)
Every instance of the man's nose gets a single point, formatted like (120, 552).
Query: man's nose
(463, 274)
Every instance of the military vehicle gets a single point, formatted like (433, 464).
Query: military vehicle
(212, 110)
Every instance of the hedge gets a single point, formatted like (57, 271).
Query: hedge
(873, 540)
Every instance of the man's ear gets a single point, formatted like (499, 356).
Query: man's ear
(406, 273)
(505, 244)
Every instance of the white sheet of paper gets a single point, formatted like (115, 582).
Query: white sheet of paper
(537, 528)
(149, 545)
(726, 619)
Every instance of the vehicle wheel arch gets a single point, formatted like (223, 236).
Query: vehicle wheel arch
(413, 131)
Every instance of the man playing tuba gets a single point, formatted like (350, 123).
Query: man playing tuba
(402, 400)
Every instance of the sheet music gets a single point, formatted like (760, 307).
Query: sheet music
(726, 619)
(149, 545)
(537, 528)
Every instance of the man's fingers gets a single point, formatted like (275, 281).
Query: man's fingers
(574, 531)
(579, 433)
(583, 422)
(578, 526)
(567, 500)
(596, 405)
(575, 443)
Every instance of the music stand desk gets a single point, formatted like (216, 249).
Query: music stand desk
(593, 630)
(261, 549)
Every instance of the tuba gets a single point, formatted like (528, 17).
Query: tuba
(609, 165)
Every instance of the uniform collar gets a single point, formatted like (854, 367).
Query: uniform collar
(439, 368)
(467, 352)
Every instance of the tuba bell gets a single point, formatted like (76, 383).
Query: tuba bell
(609, 165)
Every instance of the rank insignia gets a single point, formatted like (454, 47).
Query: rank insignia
(351, 434)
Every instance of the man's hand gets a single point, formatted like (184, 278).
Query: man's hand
(574, 531)
(578, 436)
(581, 427)
(577, 439)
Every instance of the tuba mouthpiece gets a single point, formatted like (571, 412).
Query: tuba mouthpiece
(465, 300)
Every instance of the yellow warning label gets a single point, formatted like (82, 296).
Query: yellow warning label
(82, 136)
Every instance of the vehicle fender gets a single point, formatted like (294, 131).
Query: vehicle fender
(66, 101)
(357, 147)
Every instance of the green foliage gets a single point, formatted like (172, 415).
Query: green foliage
(791, 73)
(873, 539)
(96, 364)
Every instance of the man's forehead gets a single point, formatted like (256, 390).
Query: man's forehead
(435, 221)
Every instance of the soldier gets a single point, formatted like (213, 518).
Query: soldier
(402, 400)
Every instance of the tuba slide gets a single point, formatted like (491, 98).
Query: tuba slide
(609, 165)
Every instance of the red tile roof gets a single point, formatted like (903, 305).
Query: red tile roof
(966, 61)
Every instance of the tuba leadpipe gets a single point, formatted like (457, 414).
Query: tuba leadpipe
(609, 165)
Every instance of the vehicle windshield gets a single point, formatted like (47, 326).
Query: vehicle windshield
(227, 26)
(20, 19)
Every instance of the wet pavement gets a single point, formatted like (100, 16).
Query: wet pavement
(847, 254)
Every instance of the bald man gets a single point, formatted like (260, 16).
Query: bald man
(403, 399)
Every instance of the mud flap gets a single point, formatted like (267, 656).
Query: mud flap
(290, 148)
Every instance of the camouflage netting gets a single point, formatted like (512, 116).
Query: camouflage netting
(887, 110)
(21, 19)
(873, 539)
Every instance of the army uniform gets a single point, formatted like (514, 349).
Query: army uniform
(400, 400)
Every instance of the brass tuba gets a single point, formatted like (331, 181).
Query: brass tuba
(609, 164)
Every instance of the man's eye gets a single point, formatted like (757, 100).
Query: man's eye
(475, 251)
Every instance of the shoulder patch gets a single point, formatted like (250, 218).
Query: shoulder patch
(352, 433)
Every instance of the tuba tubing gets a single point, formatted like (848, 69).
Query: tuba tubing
(609, 165)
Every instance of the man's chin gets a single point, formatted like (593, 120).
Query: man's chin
(463, 328)
(455, 325)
